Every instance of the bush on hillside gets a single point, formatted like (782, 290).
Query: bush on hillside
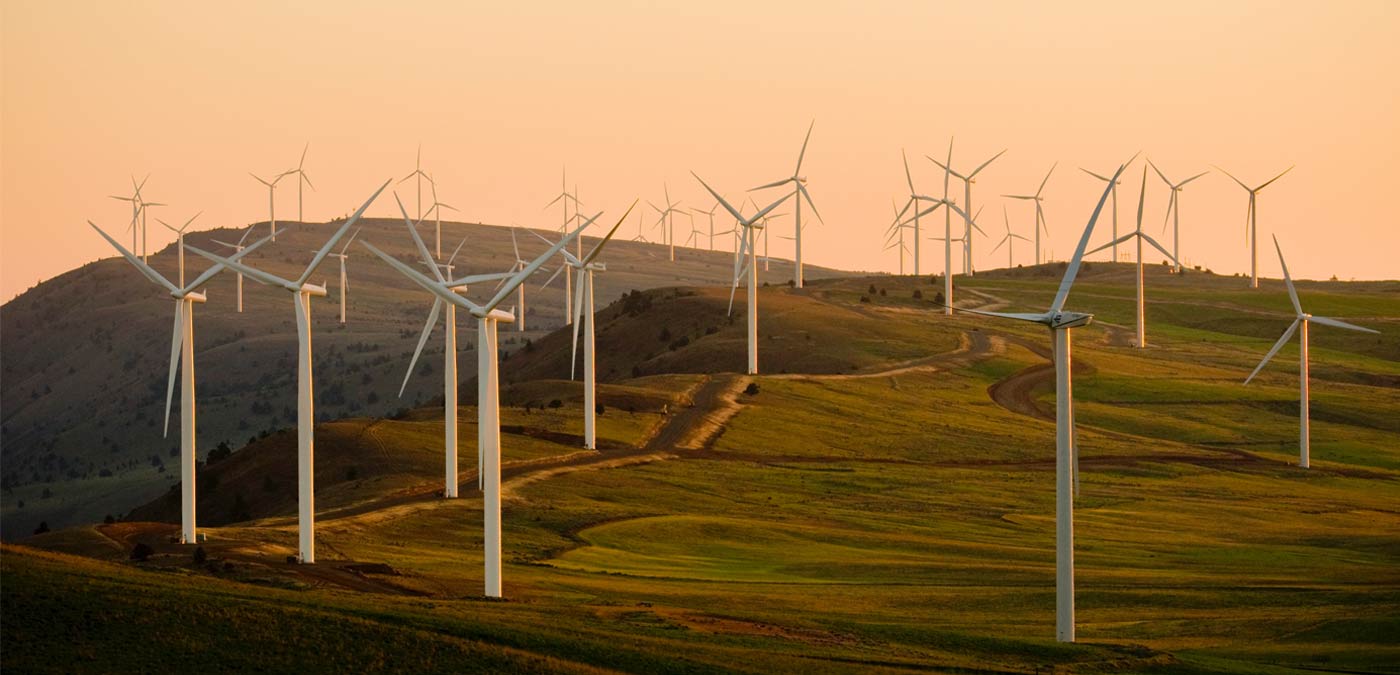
(752, 389)
(141, 552)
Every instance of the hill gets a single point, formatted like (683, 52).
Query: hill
(85, 356)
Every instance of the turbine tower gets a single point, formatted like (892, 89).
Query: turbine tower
(583, 306)
(236, 248)
(488, 390)
(1039, 209)
(1301, 320)
(420, 175)
(302, 179)
(968, 224)
(271, 199)
(181, 355)
(302, 291)
(1251, 223)
(1174, 211)
(180, 242)
(914, 199)
(799, 192)
(1060, 323)
(1141, 237)
(436, 211)
(746, 269)
(344, 281)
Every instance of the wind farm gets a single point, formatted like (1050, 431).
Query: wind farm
(862, 461)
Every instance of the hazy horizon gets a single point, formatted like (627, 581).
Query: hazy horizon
(631, 98)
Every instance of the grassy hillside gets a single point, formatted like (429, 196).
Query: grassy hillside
(886, 505)
(85, 356)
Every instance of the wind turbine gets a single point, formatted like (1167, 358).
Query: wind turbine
(344, 281)
(180, 242)
(1039, 210)
(302, 179)
(640, 235)
(1009, 240)
(135, 200)
(302, 291)
(488, 390)
(667, 221)
(565, 197)
(1141, 236)
(914, 199)
(799, 190)
(182, 354)
(1251, 224)
(271, 199)
(968, 224)
(520, 264)
(418, 173)
(1174, 211)
(894, 235)
(947, 238)
(1060, 323)
(583, 305)
(1301, 319)
(436, 211)
(1114, 194)
(236, 248)
(449, 352)
(711, 214)
(747, 269)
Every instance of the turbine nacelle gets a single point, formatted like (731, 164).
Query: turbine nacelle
(499, 315)
(1065, 320)
(313, 289)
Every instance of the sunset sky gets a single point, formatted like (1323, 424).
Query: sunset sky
(631, 96)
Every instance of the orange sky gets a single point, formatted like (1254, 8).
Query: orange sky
(628, 95)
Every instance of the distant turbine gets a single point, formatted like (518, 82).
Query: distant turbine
(1174, 211)
(947, 237)
(968, 225)
(418, 173)
(583, 306)
(344, 281)
(666, 220)
(236, 248)
(748, 269)
(640, 235)
(711, 214)
(449, 352)
(520, 264)
(436, 211)
(799, 190)
(488, 390)
(301, 292)
(1301, 319)
(302, 179)
(180, 242)
(135, 199)
(182, 354)
(271, 199)
(1039, 210)
(914, 199)
(1009, 240)
(1060, 323)
(1251, 224)
(1114, 194)
(565, 197)
(1140, 236)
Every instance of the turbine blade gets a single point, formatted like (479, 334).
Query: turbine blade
(768, 185)
(1119, 240)
(1148, 238)
(1277, 345)
(255, 274)
(718, 198)
(208, 274)
(552, 277)
(326, 248)
(1188, 180)
(422, 280)
(1091, 173)
(803, 153)
(983, 165)
(1159, 173)
(1073, 270)
(1292, 293)
(1338, 323)
(176, 338)
(1019, 316)
(578, 317)
(142, 267)
(1047, 178)
(808, 196)
(523, 274)
(422, 340)
(1232, 177)
(418, 242)
(599, 248)
(1271, 180)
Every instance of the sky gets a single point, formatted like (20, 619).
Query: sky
(631, 97)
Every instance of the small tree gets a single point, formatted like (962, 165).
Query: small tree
(599, 409)
(108, 519)
(752, 389)
(42, 528)
(200, 556)
(141, 552)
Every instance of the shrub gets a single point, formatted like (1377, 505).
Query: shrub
(219, 453)
(108, 519)
(918, 294)
(865, 298)
(752, 389)
(665, 335)
(556, 403)
(872, 290)
(599, 408)
(141, 552)
(200, 556)
(42, 528)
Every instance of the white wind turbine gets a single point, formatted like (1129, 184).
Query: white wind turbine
(894, 236)
(1140, 236)
(344, 280)
(418, 173)
(746, 269)
(968, 224)
(449, 352)
(1114, 194)
(1009, 240)
(947, 237)
(138, 215)
(236, 248)
(641, 236)
(302, 179)
(564, 197)
(1039, 210)
(1251, 223)
(488, 389)
(1174, 211)
(181, 354)
(666, 220)
(302, 291)
(520, 264)
(1060, 322)
(583, 306)
(435, 210)
(711, 215)
(799, 191)
(914, 199)
(271, 199)
(180, 242)
(1301, 319)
